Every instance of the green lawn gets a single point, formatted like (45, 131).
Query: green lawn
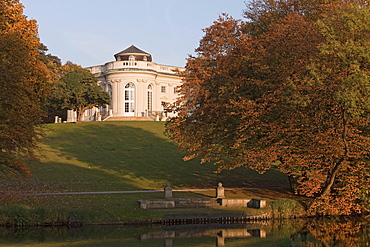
(101, 156)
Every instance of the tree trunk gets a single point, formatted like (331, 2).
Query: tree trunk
(80, 115)
(331, 177)
(292, 183)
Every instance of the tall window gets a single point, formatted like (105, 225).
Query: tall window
(110, 91)
(163, 89)
(150, 98)
(129, 101)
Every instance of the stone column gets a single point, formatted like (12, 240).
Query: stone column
(220, 191)
(168, 242)
(117, 100)
(220, 241)
(167, 191)
(98, 114)
(71, 116)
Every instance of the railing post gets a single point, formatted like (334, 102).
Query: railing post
(220, 191)
(167, 191)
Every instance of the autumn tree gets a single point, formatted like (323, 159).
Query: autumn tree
(341, 73)
(205, 102)
(289, 87)
(24, 84)
(51, 61)
(79, 91)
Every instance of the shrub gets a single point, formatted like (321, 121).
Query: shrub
(286, 208)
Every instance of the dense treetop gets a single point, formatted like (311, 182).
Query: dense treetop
(288, 87)
(78, 90)
(25, 85)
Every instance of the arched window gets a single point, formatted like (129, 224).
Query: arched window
(131, 58)
(129, 101)
(150, 98)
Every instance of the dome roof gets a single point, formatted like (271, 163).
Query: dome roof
(133, 53)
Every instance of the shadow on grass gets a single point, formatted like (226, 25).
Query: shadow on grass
(129, 156)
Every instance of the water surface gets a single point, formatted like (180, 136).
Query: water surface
(323, 232)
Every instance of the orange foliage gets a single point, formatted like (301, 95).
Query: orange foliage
(285, 89)
(25, 84)
(338, 232)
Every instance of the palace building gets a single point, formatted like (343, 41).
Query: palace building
(139, 88)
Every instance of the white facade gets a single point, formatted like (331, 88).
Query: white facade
(138, 87)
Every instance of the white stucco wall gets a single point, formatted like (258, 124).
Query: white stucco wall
(141, 74)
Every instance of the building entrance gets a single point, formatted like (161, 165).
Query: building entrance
(129, 102)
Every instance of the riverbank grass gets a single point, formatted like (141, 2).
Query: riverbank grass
(117, 208)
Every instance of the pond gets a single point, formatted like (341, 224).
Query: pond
(312, 232)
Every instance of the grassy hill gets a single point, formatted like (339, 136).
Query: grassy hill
(116, 156)
(100, 156)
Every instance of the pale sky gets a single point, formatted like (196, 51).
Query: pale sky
(90, 32)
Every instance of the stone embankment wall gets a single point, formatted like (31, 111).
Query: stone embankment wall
(218, 201)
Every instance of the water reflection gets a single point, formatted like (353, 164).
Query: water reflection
(219, 232)
(311, 233)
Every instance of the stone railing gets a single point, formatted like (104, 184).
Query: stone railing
(218, 201)
(134, 65)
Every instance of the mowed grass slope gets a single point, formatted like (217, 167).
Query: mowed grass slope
(111, 156)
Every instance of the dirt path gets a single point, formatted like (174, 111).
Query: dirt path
(113, 192)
